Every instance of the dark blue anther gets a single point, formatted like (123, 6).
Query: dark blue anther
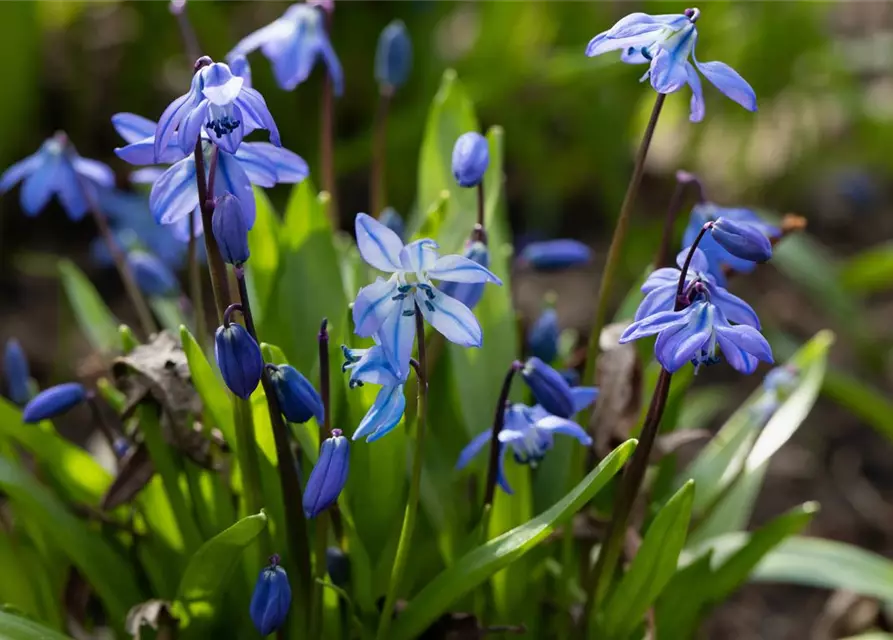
(645, 54)
(409, 313)
(404, 288)
(399, 296)
(430, 306)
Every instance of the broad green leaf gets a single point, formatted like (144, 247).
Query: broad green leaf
(678, 607)
(263, 242)
(870, 270)
(210, 388)
(510, 585)
(27, 584)
(13, 627)
(860, 399)
(652, 567)
(97, 322)
(478, 565)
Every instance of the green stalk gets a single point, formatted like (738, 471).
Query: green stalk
(322, 519)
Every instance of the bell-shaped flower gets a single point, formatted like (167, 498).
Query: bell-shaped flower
(555, 254)
(153, 277)
(293, 43)
(218, 102)
(387, 307)
(298, 399)
(552, 391)
(329, 475)
(661, 286)
(238, 358)
(717, 255)
(373, 366)
(665, 43)
(271, 598)
(16, 372)
(529, 433)
(742, 240)
(54, 401)
(471, 157)
(56, 168)
(470, 293)
(543, 335)
(393, 56)
(230, 231)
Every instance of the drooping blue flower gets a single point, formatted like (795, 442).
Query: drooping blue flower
(552, 391)
(717, 256)
(555, 254)
(470, 293)
(742, 240)
(174, 193)
(153, 277)
(387, 307)
(293, 43)
(373, 366)
(219, 103)
(665, 42)
(298, 400)
(17, 372)
(661, 286)
(238, 358)
(392, 220)
(271, 598)
(471, 157)
(542, 337)
(228, 225)
(54, 401)
(338, 566)
(529, 433)
(57, 169)
(393, 56)
(328, 476)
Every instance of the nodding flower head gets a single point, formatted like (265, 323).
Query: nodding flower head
(271, 598)
(471, 157)
(238, 356)
(298, 400)
(549, 387)
(328, 476)
(53, 402)
(742, 240)
(543, 335)
(393, 56)
(16, 371)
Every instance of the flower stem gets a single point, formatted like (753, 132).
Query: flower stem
(206, 201)
(412, 502)
(479, 233)
(683, 179)
(187, 33)
(615, 250)
(498, 423)
(327, 140)
(322, 520)
(378, 184)
(195, 285)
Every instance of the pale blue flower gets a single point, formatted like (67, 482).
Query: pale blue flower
(372, 366)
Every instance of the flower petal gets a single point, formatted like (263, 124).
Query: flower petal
(174, 194)
(132, 127)
(697, 94)
(96, 172)
(379, 246)
(451, 318)
(254, 108)
(220, 86)
(660, 299)
(231, 140)
(635, 30)
(20, 170)
(40, 185)
(279, 29)
(419, 256)
(397, 335)
(256, 164)
(175, 112)
(583, 397)
(231, 177)
(334, 65)
(456, 268)
(259, 158)
(667, 72)
(374, 303)
(676, 346)
(734, 308)
(191, 127)
(748, 339)
(473, 448)
(374, 367)
(70, 189)
(554, 424)
(650, 325)
(729, 82)
(737, 357)
(146, 175)
(384, 415)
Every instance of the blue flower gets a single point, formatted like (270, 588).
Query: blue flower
(387, 307)
(742, 240)
(221, 104)
(239, 358)
(293, 43)
(660, 289)
(393, 56)
(338, 566)
(665, 42)
(298, 400)
(555, 254)
(174, 193)
(529, 433)
(542, 337)
(153, 277)
(56, 168)
(16, 371)
(392, 220)
(238, 64)
(228, 225)
(54, 401)
(717, 255)
(471, 157)
(271, 598)
(552, 391)
(328, 476)
(470, 293)
(373, 366)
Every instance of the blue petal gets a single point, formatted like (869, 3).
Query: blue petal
(96, 172)
(554, 424)
(379, 246)
(19, 170)
(219, 85)
(231, 177)
(231, 140)
(257, 166)
(697, 94)
(276, 30)
(175, 112)
(397, 335)
(699, 261)
(132, 127)
(174, 194)
(261, 159)
(451, 318)
(583, 397)
(333, 64)
(70, 189)
(729, 82)
(190, 128)
(373, 305)
(635, 30)
(653, 324)
(146, 175)
(667, 72)
(678, 345)
(419, 256)
(374, 367)
(252, 105)
(473, 448)
(456, 268)
(734, 308)
(40, 185)
(660, 299)
(660, 278)
(748, 339)
(384, 414)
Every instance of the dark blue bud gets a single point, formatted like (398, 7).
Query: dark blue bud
(549, 388)
(542, 337)
(338, 566)
(271, 598)
(152, 276)
(471, 155)
(556, 254)
(298, 400)
(392, 220)
(54, 401)
(742, 240)
(469, 293)
(328, 476)
(393, 57)
(120, 447)
(238, 64)
(15, 368)
(230, 231)
(239, 359)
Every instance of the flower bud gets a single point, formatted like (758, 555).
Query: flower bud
(54, 401)
(271, 598)
(338, 566)
(15, 368)
(469, 293)
(230, 230)
(549, 388)
(542, 337)
(238, 64)
(328, 476)
(152, 276)
(298, 400)
(742, 240)
(393, 57)
(239, 359)
(556, 254)
(471, 155)
(392, 220)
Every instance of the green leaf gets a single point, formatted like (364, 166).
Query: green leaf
(263, 242)
(13, 627)
(870, 270)
(679, 605)
(129, 341)
(476, 566)
(27, 582)
(211, 566)
(97, 322)
(210, 388)
(860, 399)
(652, 568)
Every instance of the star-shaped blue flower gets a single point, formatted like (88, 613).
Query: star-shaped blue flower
(372, 366)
